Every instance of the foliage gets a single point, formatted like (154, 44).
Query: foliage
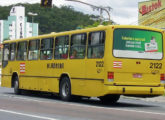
(97, 23)
(53, 19)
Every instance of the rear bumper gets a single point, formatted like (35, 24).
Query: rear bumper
(134, 90)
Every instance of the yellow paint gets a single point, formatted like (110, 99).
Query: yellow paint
(45, 2)
(86, 79)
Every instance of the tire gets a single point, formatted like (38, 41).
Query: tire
(110, 99)
(65, 89)
(76, 98)
(17, 91)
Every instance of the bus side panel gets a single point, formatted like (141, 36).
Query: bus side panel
(25, 80)
(7, 75)
(6, 81)
(48, 84)
(39, 77)
(91, 88)
(95, 73)
(28, 83)
(94, 84)
(75, 68)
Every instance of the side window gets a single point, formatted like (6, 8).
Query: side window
(21, 50)
(46, 52)
(33, 49)
(61, 47)
(78, 45)
(6, 52)
(12, 51)
(5, 55)
(96, 44)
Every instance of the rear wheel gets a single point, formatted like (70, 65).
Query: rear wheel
(16, 86)
(76, 98)
(65, 89)
(109, 99)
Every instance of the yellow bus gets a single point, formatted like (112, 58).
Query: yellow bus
(103, 62)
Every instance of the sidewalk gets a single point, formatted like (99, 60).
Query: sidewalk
(154, 99)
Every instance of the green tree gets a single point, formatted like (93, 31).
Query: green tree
(96, 23)
(53, 19)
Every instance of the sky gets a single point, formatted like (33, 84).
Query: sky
(122, 12)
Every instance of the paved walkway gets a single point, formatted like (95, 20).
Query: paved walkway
(154, 99)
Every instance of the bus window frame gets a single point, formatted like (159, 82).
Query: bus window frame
(39, 45)
(89, 35)
(5, 62)
(26, 50)
(86, 39)
(53, 38)
(15, 54)
(137, 58)
(54, 48)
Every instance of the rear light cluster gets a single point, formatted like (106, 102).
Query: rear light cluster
(162, 78)
(110, 76)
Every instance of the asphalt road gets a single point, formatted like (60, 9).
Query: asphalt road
(46, 107)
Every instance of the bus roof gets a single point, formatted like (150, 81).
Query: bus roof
(100, 27)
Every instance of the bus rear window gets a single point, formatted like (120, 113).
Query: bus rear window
(136, 43)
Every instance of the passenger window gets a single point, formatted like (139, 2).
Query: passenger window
(61, 47)
(22, 51)
(46, 52)
(96, 44)
(33, 49)
(78, 45)
(6, 52)
(5, 55)
(12, 51)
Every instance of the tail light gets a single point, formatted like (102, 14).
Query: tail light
(162, 78)
(110, 76)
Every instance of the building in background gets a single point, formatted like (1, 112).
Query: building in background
(152, 13)
(16, 26)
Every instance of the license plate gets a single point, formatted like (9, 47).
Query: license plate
(137, 75)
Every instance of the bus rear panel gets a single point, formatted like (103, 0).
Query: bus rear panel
(135, 65)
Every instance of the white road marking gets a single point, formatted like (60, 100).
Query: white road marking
(88, 106)
(29, 115)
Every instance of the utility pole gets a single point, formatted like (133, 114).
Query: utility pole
(33, 15)
(98, 8)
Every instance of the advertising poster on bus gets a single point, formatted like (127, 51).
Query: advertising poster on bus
(134, 43)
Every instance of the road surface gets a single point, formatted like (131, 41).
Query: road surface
(45, 107)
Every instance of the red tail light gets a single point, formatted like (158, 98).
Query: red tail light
(162, 78)
(110, 76)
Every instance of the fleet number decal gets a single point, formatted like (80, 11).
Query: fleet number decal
(99, 66)
(99, 63)
(156, 65)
